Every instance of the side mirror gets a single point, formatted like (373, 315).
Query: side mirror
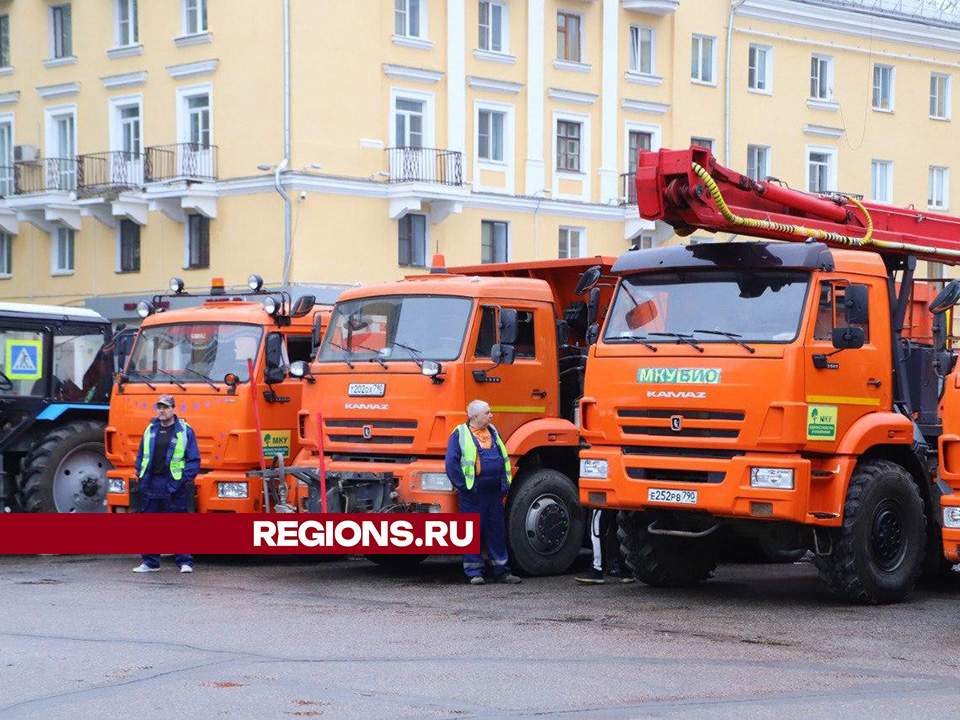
(303, 305)
(642, 314)
(316, 332)
(593, 306)
(503, 354)
(231, 380)
(856, 302)
(593, 334)
(946, 298)
(589, 278)
(275, 371)
(848, 338)
(508, 326)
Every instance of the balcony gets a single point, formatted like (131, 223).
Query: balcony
(652, 7)
(628, 189)
(109, 173)
(189, 162)
(426, 165)
(46, 175)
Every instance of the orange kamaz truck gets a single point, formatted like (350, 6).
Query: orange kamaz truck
(200, 356)
(783, 390)
(399, 364)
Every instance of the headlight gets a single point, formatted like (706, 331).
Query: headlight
(431, 368)
(951, 517)
(596, 469)
(270, 305)
(176, 285)
(255, 282)
(232, 490)
(116, 485)
(144, 308)
(774, 478)
(435, 481)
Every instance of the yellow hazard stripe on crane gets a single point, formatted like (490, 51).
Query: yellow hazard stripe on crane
(517, 409)
(842, 400)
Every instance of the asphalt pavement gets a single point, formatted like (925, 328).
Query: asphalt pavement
(298, 637)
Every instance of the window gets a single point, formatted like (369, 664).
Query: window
(572, 242)
(61, 132)
(883, 87)
(408, 120)
(490, 135)
(492, 27)
(526, 343)
(758, 162)
(939, 188)
(198, 120)
(940, 96)
(493, 242)
(881, 181)
(821, 169)
(701, 68)
(6, 159)
(760, 68)
(194, 17)
(198, 241)
(407, 18)
(4, 41)
(832, 312)
(129, 246)
(642, 49)
(129, 118)
(568, 145)
(702, 142)
(637, 140)
(413, 240)
(127, 31)
(821, 77)
(61, 34)
(6, 254)
(62, 243)
(569, 37)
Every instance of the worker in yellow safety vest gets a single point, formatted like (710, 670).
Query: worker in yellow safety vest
(479, 468)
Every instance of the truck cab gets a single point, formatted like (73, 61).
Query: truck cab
(201, 355)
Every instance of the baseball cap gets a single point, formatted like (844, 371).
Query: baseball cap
(167, 400)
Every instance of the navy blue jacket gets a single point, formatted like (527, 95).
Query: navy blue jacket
(191, 459)
(493, 476)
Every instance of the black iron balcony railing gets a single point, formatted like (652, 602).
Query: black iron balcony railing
(426, 165)
(45, 175)
(193, 162)
(628, 189)
(109, 171)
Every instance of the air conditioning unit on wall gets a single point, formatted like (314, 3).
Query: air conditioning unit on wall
(26, 153)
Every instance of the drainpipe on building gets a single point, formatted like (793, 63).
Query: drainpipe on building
(734, 5)
(287, 249)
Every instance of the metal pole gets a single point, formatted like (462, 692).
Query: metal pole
(256, 422)
(287, 249)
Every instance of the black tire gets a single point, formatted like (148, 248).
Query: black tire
(662, 560)
(399, 563)
(66, 470)
(545, 523)
(937, 570)
(879, 551)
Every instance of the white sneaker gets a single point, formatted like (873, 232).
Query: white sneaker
(143, 567)
(186, 568)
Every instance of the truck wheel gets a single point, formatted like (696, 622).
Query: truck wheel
(662, 560)
(399, 563)
(545, 523)
(879, 550)
(66, 470)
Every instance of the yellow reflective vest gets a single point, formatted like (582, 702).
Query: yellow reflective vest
(468, 455)
(177, 462)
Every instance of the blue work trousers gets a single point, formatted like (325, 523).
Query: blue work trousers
(493, 533)
(175, 504)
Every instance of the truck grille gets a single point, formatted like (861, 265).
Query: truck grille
(694, 423)
(371, 432)
(690, 476)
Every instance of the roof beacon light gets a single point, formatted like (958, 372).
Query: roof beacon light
(270, 305)
(438, 266)
(176, 285)
(217, 287)
(144, 308)
(255, 282)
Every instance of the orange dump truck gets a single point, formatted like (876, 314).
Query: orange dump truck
(200, 356)
(399, 364)
(777, 390)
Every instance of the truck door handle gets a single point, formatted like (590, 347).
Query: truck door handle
(874, 383)
(539, 394)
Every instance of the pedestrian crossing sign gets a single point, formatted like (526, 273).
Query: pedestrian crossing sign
(24, 360)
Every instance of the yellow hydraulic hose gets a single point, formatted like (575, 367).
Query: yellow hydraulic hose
(805, 232)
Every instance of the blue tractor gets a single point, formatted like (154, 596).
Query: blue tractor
(56, 372)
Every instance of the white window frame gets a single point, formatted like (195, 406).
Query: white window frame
(945, 187)
(55, 259)
(832, 154)
(51, 137)
(51, 31)
(508, 164)
(893, 86)
(887, 195)
(6, 239)
(581, 240)
(11, 120)
(186, 244)
(635, 46)
(698, 79)
(656, 139)
(421, 15)
(767, 51)
(586, 154)
(118, 39)
(768, 161)
(429, 114)
(183, 112)
(9, 41)
(828, 61)
(504, 28)
(119, 233)
(583, 46)
(116, 105)
(948, 93)
(199, 12)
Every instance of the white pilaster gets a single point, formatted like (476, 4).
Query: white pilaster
(608, 103)
(535, 167)
(456, 76)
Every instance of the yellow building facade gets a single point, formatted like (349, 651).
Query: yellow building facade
(143, 140)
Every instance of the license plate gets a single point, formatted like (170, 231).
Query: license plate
(675, 497)
(366, 389)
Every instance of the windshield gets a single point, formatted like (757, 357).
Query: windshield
(81, 372)
(708, 305)
(193, 353)
(397, 327)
